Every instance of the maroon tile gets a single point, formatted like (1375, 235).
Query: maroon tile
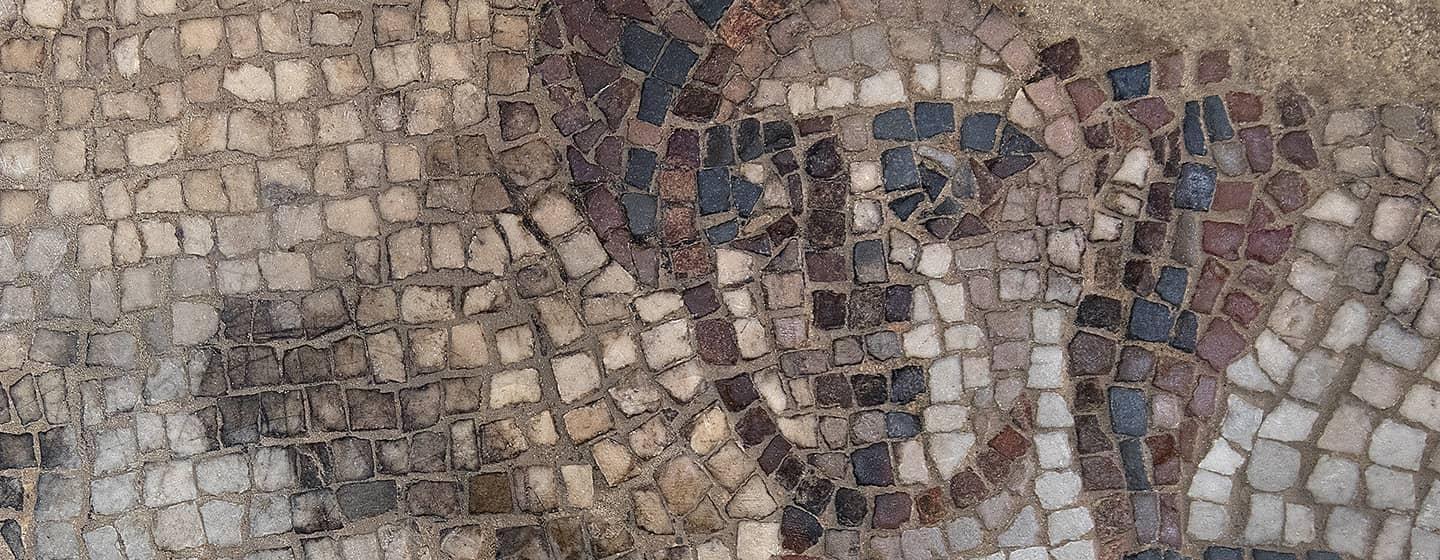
(1089, 396)
(1086, 95)
(892, 510)
(1232, 195)
(1091, 354)
(1170, 532)
(1151, 112)
(1261, 216)
(1269, 245)
(967, 489)
(1222, 239)
(677, 185)
(1257, 278)
(1010, 443)
(1098, 135)
(1202, 399)
(931, 506)
(1150, 237)
(1169, 71)
(696, 104)
(1208, 286)
(994, 466)
(594, 73)
(1298, 148)
(1220, 344)
(1259, 151)
(1244, 107)
(826, 267)
(603, 210)
(1241, 307)
(1213, 66)
(1136, 364)
(1159, 203)
(1165, 460)
(677, 225)
(755, 426)
(1090, 437)
(691, 261)
(1289, 190)
(1101, 472)
(1176, 376)
(1062, 59)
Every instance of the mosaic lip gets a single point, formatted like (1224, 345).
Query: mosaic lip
(703, 280)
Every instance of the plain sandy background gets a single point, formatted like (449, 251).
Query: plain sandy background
(1342, 52)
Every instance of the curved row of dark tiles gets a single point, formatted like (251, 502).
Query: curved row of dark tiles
(1163, 336)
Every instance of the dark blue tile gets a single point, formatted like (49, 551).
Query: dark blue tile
(714, 187)
(872, 465)
(10, 532)
(934, 118)
(1222, 553)
(894, 124)
(746, 195)
(897, 165)
(1150, 321)
(906, 383)
(655, 97)
(933, 182)
(639, 47)
(964, 185)
(904, 206)
(1187, 327)
(722, 233)
(1217, 121)
(1171, 285)
(1193, 133)
(675, 63)
(977, 131)
(749, 145)
(868, 261)
(901, 425)
(709, 11)
(822, 159)
(1321, 555)
(1130, 82)
(1195, 189)
(1132, 459)
(1129, 412)
(718, 150)
(1014, 142)
(639, 212)
(947, 207)
(640, 169)
(1150, 554)
(940, 227)
(779, 136)
(1262, 554)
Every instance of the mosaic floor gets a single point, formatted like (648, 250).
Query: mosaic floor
(697, 280)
